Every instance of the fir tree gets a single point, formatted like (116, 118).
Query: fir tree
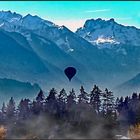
(83, 97)
(108, 102)
(71, 106)
(62, 102)
(40, 102)
(51, 102)
(62, 96)
(71, 99)
(40, 97)
(134, 96)
(95, 98)
(120, 104)
(10, 110)
(24, 110)
(3, 108)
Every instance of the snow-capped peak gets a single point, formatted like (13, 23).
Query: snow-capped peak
(39, 26)
(100, 32)
(10, 16)
(34, 22)
(98, 23)
(30, 17)
(11, 20)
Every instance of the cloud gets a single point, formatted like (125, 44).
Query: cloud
(96, 11)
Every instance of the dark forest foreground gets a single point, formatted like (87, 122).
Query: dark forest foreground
(92, 115)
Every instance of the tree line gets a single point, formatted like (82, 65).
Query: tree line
(97, 114)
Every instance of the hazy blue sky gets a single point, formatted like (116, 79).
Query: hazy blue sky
(73, 14)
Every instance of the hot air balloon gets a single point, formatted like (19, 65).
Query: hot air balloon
(70, 72)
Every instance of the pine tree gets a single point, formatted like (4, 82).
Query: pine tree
(71, 99)
(83, 97)
(83, 112)
(121, 100)
(10, 111)
(109, 113)
(62, 96)
(52, 95)
(71, 106)
(35, 108)
(24, 110)
(133, 108)
(134, 96)
(120, 104)
(62, 102)
(126, 102)
(51, 102)
(40, 97)
(133, 104)
(3, 108)
(40, 102)
(108, 101)
(95, 98)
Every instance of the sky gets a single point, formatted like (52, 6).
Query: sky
(73, 14)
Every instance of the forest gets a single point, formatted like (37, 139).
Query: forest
(60, 114)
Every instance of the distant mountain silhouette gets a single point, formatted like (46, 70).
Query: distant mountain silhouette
(16, 89)
(132, 85)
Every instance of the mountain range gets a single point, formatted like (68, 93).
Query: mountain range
(36, 50)
(130, 86)
(17, 89)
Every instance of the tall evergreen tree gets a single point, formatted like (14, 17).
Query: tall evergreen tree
(134, 96)
(71, 99)
(62, 96)
(109, 113)
(3, 108)
(83, 97)
(95, 98)
(71, 105)
(120, 104)
(40, 97)
(51, 102)
(40, 102)
(52, 95)
(108, 100)
(24, 110)
(10, 111)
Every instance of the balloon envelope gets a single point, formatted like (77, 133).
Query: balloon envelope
(70, 72)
